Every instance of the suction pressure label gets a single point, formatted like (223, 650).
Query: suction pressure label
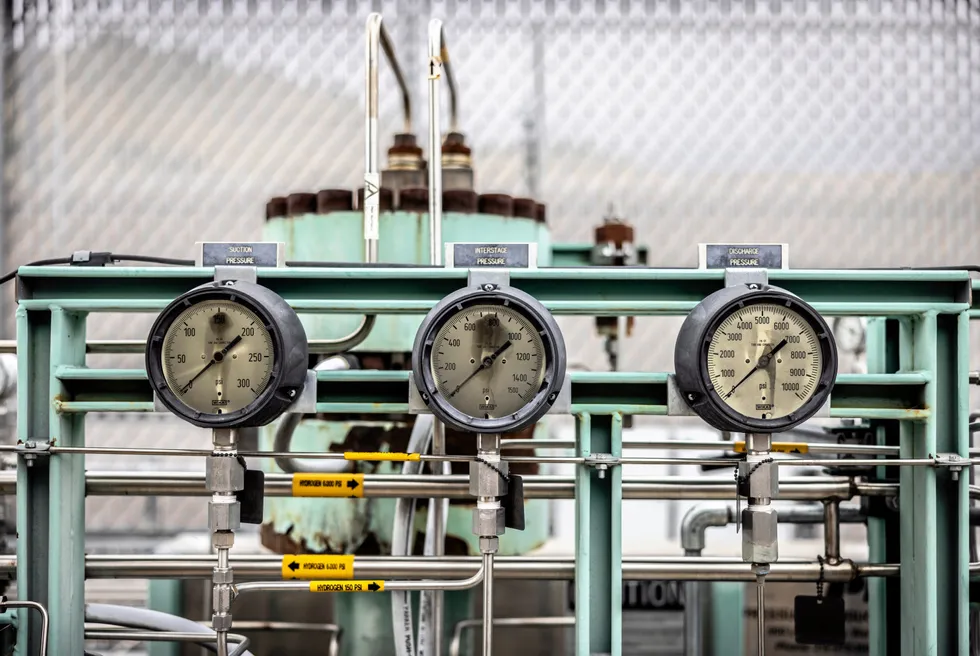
(328, 485)
(347, 586)
(255, 254)
(317, 567)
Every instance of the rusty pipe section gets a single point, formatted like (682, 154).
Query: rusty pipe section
(438, 63)
(424, 486)
(464, 570)
(377, 40)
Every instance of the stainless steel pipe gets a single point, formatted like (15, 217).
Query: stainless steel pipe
(453, 568)
(438, 62)
(377, 40)
(423, 486)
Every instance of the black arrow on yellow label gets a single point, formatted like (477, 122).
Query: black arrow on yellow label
(293, 566)
(352, 484)
(373, 587)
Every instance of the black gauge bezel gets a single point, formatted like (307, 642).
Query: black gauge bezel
(534, 313)
(691, 358)
(290, 350)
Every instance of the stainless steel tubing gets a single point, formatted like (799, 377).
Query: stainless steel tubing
(448, 584)
(516, 622)
(454, 569)
(831, 530)
(438, 59)
(377, 40)
(163, 636)
(488, 603)
(333, 649)
(32, 605)
(423, 486)
(760, 598)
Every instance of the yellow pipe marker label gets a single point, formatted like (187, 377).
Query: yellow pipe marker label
(347, 586)
(328, 485)
(779, 447)
(317, 567)
(381, 456)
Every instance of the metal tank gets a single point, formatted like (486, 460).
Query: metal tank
(328, 227)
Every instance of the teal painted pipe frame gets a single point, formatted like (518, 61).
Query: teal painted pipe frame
(924, 395)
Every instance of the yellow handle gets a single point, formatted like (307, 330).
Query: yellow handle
(328, 485)
(779, 447)
(381, 456)
(316, 567)
(347, 586)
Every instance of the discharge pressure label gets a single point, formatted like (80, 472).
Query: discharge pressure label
(328, 485)
(743, 256)
(347, 586)
(317, 567)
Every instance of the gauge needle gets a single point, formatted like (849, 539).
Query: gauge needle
(487, 362)
(761, 364)
(218, 357)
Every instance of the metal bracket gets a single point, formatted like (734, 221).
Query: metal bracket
(306, 402)
(31, 449)
(563, 404)
(416, 406)
(244, 273)
(495, 278)
(601, 462)
(735, 277)
(953, 461)
(676, 403)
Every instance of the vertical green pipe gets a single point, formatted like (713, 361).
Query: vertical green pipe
(727, 620)
(33, 370)
(615, 478)
(583, 543)
(963, 489)
(918, 502)
(66, 522)
(951, 411)
(166, 596)
(598, 558)
(876, 340)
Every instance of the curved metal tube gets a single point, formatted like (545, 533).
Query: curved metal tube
(452, 585)
(377, 40)
(202, 639)
(438, 62)
(517, 622)
(43, 648)
(151, 620)
(349, 341)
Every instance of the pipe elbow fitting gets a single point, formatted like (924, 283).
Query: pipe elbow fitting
(697, 520)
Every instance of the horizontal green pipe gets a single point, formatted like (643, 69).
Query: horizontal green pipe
(860, 396)
(586, 291)
(574, 255)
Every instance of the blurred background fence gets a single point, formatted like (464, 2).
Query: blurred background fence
(850, 130)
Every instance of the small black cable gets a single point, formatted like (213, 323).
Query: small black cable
(151, 259)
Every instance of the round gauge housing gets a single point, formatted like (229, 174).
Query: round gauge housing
(227, 354)
(755, 359)
(489, 360)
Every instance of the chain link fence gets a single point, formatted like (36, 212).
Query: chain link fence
(850, 130)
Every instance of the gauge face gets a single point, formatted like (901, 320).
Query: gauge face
(217, 357)
(764, 361)
(754, 358)
(488, 361)
(227, 354)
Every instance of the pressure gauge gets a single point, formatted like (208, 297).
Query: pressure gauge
(489, 360)
(755, 358)
(227, 354)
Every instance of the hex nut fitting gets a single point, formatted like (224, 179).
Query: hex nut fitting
(223, 539)
(221, 622)
(489, 544)
(763, 483)
(224, 474)
(760, 543)
(225, 515)
(223, 575)
(484, 481)
(488, 521)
